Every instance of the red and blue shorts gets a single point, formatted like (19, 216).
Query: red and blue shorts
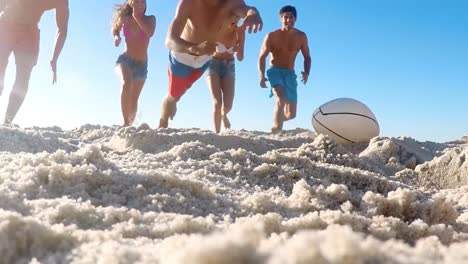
(181, 76)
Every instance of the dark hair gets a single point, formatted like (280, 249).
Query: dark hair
(288, 9)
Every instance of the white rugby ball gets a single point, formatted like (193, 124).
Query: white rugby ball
(346, 120)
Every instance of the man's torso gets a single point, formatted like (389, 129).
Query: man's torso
(206, 21)
(284, 47)
(27, 11)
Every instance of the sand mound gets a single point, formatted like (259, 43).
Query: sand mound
(103, 194)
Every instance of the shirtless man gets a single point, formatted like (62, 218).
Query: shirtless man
(20, 35)
(192, 39)
(284, 44)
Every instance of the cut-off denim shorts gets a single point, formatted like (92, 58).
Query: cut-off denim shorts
(139, 68)
(222, 68)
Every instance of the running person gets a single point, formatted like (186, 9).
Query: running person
(20, 35)
(284, 44)
(132, 64)
(221, 72)
(192, 39)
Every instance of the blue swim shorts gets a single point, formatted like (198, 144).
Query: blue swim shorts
(285, 78)
(222, 68)
(139, 68)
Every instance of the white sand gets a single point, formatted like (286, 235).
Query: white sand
(137, 195)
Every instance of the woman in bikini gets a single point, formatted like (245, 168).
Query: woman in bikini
(132, 64)
(221, 72)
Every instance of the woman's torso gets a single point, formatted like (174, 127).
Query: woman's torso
(136, 40)
(227, 45)
(26, 12)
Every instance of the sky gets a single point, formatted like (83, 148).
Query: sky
(406, 60)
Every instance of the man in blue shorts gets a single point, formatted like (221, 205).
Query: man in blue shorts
(284, 44)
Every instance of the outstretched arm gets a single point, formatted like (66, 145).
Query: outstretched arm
(252, 19)
(240, 44)
(174, 41)
(307, 60)
(261, 60)
(61, 17)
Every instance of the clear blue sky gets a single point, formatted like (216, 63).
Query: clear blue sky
(407, 60)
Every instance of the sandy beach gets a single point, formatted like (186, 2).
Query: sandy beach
(99, 194)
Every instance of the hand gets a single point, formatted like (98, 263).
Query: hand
(305, 77)
(205, 48)
(117, 41)
(253, 22)
(263, 81)
(53, 66)
(240, 56)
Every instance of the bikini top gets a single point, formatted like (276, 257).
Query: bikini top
(127, 32)
(222, 49)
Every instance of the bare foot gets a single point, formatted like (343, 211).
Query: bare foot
(163, 123)
(7, 121)
(275, 130)
(125, 124)
(226, 122)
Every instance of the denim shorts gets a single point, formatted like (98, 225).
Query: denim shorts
(222, 68)
(139, 68)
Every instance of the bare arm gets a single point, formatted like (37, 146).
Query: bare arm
(173, 40)
(252, 19)
(61, 17)
(240, 44)
(148, 26)
(116, 31)
(265, 50)
(307, 60)
(116, 28)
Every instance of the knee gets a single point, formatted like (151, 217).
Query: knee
(217, 105)
(169, 99)
(279, 101)
(19, 92)
(227, 109)
(126, 84)
(20, 88)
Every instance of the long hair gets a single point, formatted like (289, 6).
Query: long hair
(121, 12)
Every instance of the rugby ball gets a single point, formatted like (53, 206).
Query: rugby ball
(346, 120)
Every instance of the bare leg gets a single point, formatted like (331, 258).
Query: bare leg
(278, 117)
(169, 109)
(214, 83)
(20, 88)
(125, 75)
(4, 55)
(135, 94)
(228, 85)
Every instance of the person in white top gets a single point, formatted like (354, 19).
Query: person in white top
(192, 39)
(221, 72)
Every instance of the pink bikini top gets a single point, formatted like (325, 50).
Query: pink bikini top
(127, 32)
